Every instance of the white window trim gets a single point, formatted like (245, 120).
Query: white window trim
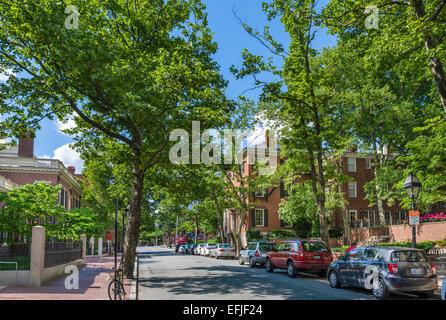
(348, 166)
(262, 215)
(356, 189)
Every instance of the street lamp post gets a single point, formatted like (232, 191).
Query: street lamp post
(412, 186)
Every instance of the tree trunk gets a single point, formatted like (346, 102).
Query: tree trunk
(320, 201)
(434, 63)
(133, 221)
(219, 215)
(345, 215)
(196, 232)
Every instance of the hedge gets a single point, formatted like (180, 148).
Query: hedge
(425, 245)
(22, 263)
(279, 233)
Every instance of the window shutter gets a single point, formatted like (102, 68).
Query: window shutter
(265, 217)
(282, 224)
(266, 193)
(282, 187)
(253, 217)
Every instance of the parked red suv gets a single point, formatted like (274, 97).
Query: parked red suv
(300, 255)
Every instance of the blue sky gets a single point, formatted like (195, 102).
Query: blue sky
(231, 39)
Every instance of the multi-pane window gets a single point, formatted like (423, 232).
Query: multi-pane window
(351, 164)
(352, 189)
(368, 163)
(387, 216)
(259, 218)
(63, 197)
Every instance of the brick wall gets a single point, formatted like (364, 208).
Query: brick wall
(425, 231)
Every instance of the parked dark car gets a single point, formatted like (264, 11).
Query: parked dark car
(255, 253)
(385, 270)
(300, 255)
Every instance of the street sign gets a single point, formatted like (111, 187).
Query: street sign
(414, 217)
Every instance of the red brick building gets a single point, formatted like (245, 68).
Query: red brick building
(264, 215)
(20, 166)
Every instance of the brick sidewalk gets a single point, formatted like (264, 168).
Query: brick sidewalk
(93, 284)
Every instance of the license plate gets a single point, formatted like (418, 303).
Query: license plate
(416, 271)
(316, 257)
(264, 255)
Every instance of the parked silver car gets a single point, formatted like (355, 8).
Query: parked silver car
(206, 250)
(223, 250)
(255, 253)
(385, 270)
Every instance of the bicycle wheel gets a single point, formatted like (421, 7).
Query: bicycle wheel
(116, 286)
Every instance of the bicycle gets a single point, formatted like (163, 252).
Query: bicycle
(116, 289)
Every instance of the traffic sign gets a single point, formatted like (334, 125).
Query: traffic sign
(414, 217)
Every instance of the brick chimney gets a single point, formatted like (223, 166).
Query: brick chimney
(71, 169)
(26, 146)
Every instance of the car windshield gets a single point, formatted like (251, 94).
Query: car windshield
(225, 246)
(314, 246)
(409, 256)
(212, 246)
(267, 246)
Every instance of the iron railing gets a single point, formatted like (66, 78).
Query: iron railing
(57, 253)
(15, 253)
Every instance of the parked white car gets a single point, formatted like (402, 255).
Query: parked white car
(206, 250)
(199, 248)
(223, 250)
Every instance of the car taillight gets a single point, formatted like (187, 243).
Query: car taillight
(434, 270)
(393, 268)
(257, 254)
(221, 250)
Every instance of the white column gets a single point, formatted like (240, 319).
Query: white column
(37, 255)
(100, 247)
(83, 239)
(92, 245)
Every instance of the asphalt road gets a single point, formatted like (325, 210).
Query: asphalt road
(166, 276)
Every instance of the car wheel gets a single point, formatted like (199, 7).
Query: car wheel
(291, 270)
(333, 280)
(240, 260)
(426, 294)
(252, 263)
(269, 266)
(380, 290)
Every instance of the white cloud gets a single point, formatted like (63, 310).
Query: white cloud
(69, 124)
(69, 157)
(5, 75)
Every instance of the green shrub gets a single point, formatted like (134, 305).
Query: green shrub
(252, 234)
(342, 249)
(425, 245)
(441, 243)
(22, 263)
(279, 233)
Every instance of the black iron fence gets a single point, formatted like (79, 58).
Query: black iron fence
(57, 253)
(15, 254)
